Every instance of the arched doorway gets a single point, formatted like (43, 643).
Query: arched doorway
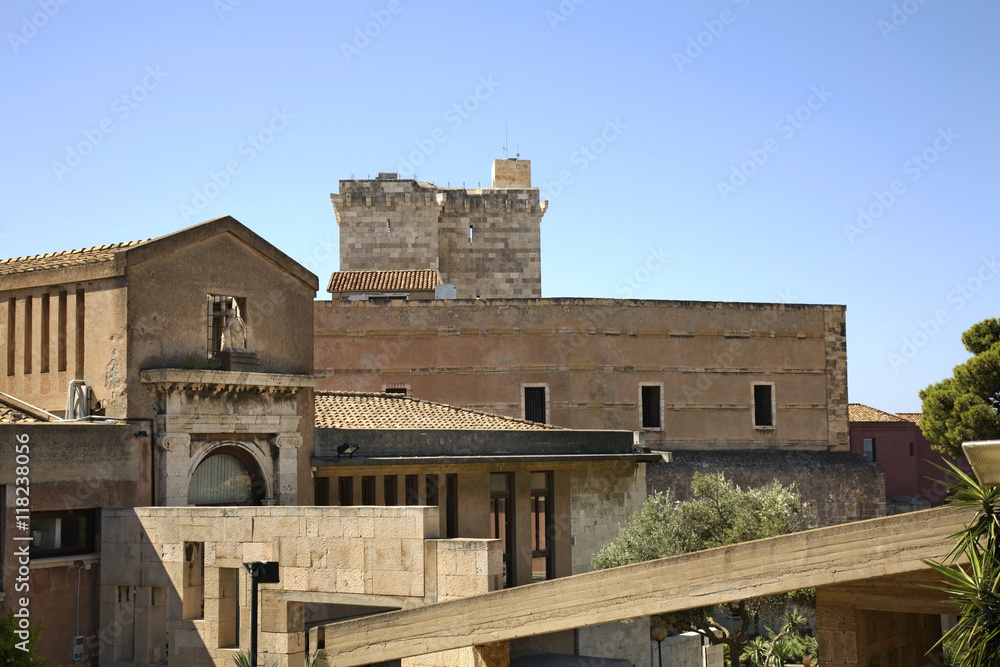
(227, 476)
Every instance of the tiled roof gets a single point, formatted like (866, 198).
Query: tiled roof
(910, 416)
(64, 258)
(384, 281)
(9, 410)
(859, 412)
(358, 410)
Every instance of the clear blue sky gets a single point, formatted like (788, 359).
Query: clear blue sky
(739, 138)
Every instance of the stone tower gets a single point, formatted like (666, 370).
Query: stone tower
(485, 241)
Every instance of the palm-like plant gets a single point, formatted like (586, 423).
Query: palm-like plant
(975, 587)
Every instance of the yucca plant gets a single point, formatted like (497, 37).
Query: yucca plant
(975, 586)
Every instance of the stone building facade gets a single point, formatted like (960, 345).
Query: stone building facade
(486, 241)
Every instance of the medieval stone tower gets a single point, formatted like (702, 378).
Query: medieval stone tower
(485, 241)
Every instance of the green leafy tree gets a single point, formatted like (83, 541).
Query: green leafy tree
(719, 513)
(975, 640)
(966, 406)
(10, 654)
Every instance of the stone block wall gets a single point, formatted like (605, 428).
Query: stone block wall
(189, 561)
(838, 487)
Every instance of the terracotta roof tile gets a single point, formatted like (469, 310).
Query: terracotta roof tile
(384, 281)
(859, 412)
(910, 416)
(10, 409)
(64, 258)
(359, 410)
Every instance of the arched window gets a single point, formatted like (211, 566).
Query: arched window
(226, 477)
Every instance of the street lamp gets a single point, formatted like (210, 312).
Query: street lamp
(261, 572)
(984, 457)
(658, 633)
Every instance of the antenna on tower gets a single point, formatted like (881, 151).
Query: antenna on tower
(505, 140)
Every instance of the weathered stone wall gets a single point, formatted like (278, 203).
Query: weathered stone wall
(593, 354)
(839, 487)
(485, 241)
(387, 225)
(157, 553)
(603, 498)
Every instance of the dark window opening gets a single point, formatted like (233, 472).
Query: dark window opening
(911, 449)
(345, 491)
(63, 533)
(431, 490)
(389, 490)
(27, 335)
(81, 319)
(43, 361)
(534, 404)
(63, 299)
(412, 489)
(763, 413)
(451, 504)
(542, 527)
(11, 335)
(321, 491)
(396, 389)
(368, 490)
(651, 406)
(502, 521)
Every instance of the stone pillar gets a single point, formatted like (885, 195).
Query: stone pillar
(838, 637)
(287, 484)
(174, 463)
(282, 630)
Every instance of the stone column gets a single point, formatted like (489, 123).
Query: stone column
(287, 483)
(282, 630)
(174, 463)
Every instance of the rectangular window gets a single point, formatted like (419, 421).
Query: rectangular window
(502, 520)
(431, 490)
(28, 339)
(396, 389)
(43, 361)
(63, 533)
(451, 504)
(345, 491)
(61, 324)
(321, 491)
(869, 445)
(651, 406)
(229, 607)
(534, 404)
(81, 319)
(389, 490)
(911, 449)
(193, 599)
(11, 335)
(220, 309)
(541, 526)
(763, 405)
(412, 489)
(368, 490)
